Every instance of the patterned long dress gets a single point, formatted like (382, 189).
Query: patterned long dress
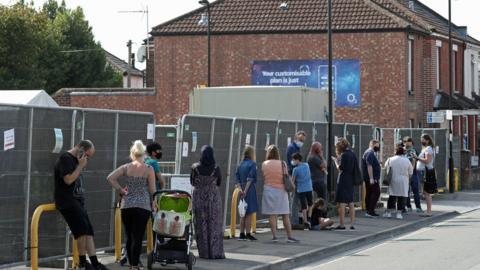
(207, 215)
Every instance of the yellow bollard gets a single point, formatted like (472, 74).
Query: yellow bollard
(233, 216)
(233, 213)
(118, 234)
(149, 236)
(75, 255)
(34, 232)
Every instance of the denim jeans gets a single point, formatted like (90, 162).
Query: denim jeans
(415, 188)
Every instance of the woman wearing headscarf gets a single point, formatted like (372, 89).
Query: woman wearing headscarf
(207, 208)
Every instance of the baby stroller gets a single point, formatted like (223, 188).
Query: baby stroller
(173, 229)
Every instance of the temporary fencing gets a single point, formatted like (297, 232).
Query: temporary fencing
(33, 139)
(230, 135)
(391, 137)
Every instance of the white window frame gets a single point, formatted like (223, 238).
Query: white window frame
(472, 72)
(410, 64)
(438, 51)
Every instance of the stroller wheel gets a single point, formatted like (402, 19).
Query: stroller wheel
(191, 261)
(150, 261)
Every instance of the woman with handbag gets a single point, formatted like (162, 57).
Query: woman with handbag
(277, 183)
(426, 171)
(246, 178)
(399, 170)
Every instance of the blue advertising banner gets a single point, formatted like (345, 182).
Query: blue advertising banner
(313, 74)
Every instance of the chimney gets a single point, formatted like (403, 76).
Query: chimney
(463, 31)
(411, 5)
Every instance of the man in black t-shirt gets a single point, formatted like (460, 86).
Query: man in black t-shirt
(70, 201)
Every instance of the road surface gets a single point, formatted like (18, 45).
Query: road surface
(450, 245)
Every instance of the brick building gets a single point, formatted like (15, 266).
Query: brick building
(402, 47)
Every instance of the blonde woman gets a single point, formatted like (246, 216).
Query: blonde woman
(275, 198)
(136, 199)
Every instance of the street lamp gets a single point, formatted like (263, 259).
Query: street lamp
(330, 100)
(451, 186)
(206, 21)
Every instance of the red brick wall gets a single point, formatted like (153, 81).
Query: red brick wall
(444, 68)
(181, 64)
(141, 103)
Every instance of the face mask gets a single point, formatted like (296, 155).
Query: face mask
(376, 148)
(293, 163)
(299, 144)
(424, 143)
(159, 155)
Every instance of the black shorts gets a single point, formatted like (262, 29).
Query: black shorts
(306, 199)
(77, 220)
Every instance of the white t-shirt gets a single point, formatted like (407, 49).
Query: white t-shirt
(423, 154)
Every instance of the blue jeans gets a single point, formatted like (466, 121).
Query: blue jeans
(415, 188)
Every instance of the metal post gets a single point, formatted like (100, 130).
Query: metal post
(114, 166)
(208, 45)
(212, 133)
(229, 168)
(330, 101)
(27, 187)
(450, 72)
(129, 70)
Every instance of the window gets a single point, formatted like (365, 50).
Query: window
(412, 123)
(410, 64)
(438, 65)
(454, 71)
(465, 135)
(472, 70)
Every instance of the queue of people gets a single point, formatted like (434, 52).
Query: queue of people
(288, 189)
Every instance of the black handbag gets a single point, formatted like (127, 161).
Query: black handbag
(430, 185)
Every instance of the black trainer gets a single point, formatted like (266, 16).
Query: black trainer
(85, 266)
(251, 237)
(242, 237)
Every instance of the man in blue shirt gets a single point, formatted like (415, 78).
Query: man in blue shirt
(293, 148)
(154, 151)
(371, 175)
(303, 182)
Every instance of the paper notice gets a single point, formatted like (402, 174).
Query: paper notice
(8, 139)
(150, 131)
(289, 140)
(181, 183)
(437, 150)
(58, 140)
(267, 141)
(247, 139)
(336, 139)
(185, 149)
(194, 141)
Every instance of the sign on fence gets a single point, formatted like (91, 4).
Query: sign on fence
(435, 117)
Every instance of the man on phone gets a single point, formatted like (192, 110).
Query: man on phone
(70, 201)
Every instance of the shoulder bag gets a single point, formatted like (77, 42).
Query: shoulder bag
(287, 181)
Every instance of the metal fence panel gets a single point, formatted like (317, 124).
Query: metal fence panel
(13, 176)
(52, 228)
(166, 136)
(201, 127)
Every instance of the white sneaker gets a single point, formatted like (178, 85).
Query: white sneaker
(399, 216)
(387, 215)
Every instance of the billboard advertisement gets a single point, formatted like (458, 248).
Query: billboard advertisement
(312, 74)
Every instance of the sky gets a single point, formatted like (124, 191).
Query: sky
(113, 29)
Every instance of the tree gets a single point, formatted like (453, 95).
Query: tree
(50, 48)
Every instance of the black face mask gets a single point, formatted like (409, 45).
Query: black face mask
(376, 148)
(424, 143)
(158, 155)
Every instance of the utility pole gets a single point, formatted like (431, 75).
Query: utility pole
(129, 70)
(451, 186)
(331, 146)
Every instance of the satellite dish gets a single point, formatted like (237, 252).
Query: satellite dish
(142, 54)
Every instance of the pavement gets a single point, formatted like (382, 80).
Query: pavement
(315, 246)
(452, 244)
